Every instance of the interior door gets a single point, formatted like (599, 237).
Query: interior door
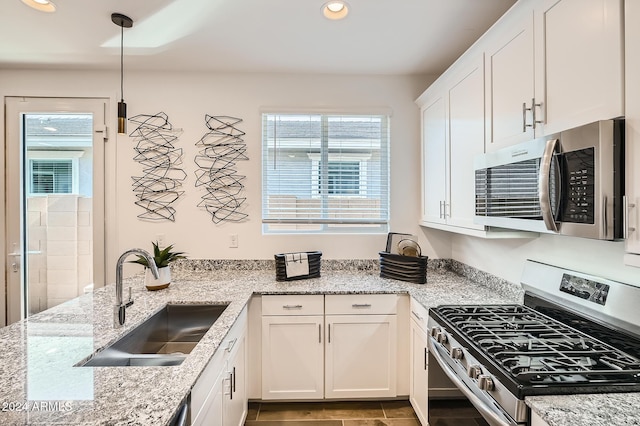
(54, 211)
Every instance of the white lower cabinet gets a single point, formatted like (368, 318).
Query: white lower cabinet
(334, 346)
(219, 395)
(361, 347)
(360, 356)
(419, 375)
(292, 357)
(292, 347)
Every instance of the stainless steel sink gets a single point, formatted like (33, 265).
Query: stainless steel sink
(164, 339)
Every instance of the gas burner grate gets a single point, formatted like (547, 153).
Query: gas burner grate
(536, 349)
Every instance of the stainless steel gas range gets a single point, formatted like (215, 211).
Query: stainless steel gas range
(574, 333)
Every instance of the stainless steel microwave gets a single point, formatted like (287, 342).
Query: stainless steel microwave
(569, 183)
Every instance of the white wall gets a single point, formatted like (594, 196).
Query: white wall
(505, 258)
(186, 98)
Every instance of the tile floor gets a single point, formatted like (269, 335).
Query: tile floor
(360, 413)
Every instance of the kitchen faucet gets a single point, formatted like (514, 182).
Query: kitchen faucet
(121, 307)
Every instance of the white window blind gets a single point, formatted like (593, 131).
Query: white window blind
(51, 176)
(324, 172)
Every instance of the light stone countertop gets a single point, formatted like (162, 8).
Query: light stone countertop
(40, 385)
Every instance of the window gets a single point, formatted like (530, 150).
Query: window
(325, 173)
(51, 176)
(53, 172)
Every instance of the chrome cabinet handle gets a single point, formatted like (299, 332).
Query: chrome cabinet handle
(605, 218)
(231, 344)
(425, 359)
(417, 316)
(544, 194)
(524, 117)
(625, 217)
(291, 306)
(534, 105)
(329, 332)
(440, 210)
(319, 333)
(361, 305)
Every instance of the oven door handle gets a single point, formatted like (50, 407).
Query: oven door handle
(544, 194)
(491, 416)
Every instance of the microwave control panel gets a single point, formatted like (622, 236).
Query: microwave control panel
(578, 206)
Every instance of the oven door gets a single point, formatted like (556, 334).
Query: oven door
(491, 411)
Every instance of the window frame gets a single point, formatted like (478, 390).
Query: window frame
(379, 156)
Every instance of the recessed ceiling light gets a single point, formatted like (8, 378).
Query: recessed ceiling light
(41, 5)
(335, 9)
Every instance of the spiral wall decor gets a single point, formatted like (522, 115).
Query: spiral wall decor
(158, 190)
(220, 148)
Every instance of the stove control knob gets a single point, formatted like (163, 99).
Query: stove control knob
(441, 337)
(434, 331)
(456, 353)
(474, 371)
(485, 382)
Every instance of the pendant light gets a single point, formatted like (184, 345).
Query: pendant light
(123, 22)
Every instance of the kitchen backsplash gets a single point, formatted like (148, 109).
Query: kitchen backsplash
(354, 265)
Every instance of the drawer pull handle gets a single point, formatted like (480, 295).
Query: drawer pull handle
(291, 306)
(361, 305)
(231, 344)
(417, 316)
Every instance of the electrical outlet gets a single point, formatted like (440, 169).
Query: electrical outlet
(233, 240)
(160, 238)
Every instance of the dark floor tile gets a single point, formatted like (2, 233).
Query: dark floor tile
(294, 423)
(452, 421)
(353, 410)
(381, 422)
(482, 422)
(252, 411)
(398, 410)
(291, 411)
(452, 408)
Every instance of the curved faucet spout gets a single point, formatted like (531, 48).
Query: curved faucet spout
(120, 308)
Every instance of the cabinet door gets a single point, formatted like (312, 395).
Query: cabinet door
(632, 121)
(510, 80)
(292, 357)
(419, 373)
(579, 62)
(235, 400)
(466, 140)
(360, 356)
(434, 161)
(211, 412)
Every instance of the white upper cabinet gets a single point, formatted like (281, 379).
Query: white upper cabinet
(434, 159)
(579, 62)
(632, 121)
(452, 135)
(553, 65)
(466, 141)
(510, 79)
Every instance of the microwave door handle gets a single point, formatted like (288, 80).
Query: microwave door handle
(543, 185)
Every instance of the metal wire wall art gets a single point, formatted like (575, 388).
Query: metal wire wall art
(159, 188)
(220, 148)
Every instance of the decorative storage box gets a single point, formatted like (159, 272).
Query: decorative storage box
(403, 268)
(313, 258)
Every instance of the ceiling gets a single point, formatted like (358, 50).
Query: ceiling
(282, 36)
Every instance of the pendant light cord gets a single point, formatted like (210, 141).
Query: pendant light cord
(122, 63)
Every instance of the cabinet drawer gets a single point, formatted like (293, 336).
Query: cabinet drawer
(361, 304)
(419, 314)
(294, 304)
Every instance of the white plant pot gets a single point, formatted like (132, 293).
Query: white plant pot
(163, 280)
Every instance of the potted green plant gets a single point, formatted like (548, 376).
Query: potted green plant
(162, 259)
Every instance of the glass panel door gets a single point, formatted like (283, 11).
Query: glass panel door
(55, 201)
